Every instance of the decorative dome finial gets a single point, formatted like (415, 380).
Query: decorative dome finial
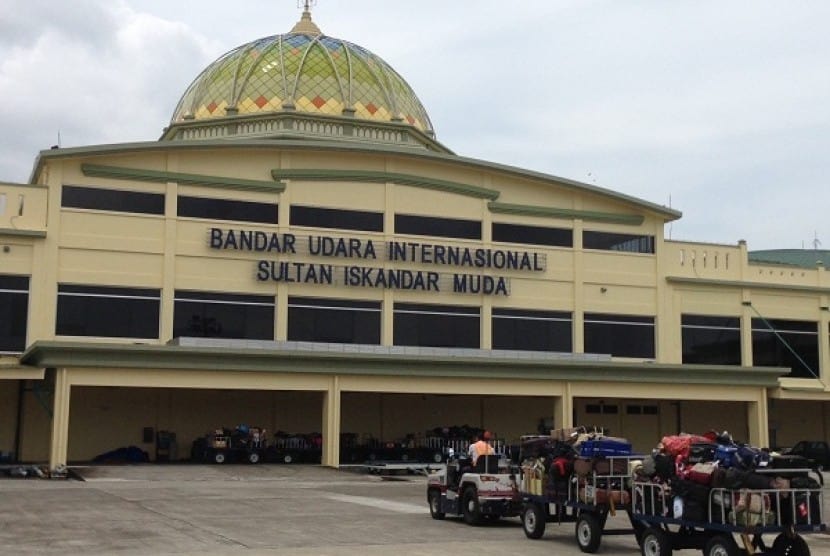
(305, 25)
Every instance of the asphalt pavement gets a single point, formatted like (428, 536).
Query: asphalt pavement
(266, 509)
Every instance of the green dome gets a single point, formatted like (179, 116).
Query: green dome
(302, 71)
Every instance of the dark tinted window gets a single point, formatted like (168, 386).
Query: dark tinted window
(336, 218)
(774, 347)
(14, 312)
(224, 209)
(617, 242)
(110, 312)
(532, 330)
(711, 340)
(533, 235)
(221, 315)
(112, 199)
(419, 324)
(619, 335)
(440, 227)
(333, 320)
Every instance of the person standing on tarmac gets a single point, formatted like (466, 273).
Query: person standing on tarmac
(481, 447)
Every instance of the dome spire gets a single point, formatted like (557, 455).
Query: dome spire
(305, 26)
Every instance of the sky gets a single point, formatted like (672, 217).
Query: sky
(718, 109)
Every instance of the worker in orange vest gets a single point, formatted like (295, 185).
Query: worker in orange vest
(481, 447)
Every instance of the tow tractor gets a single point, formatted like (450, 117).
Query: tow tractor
(484, 492)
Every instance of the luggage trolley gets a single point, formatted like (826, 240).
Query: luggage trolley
(584, 499)
(749, 514)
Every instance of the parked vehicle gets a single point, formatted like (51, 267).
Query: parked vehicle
(225, 445)
(817, 452)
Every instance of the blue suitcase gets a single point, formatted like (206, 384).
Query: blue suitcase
(604, 447)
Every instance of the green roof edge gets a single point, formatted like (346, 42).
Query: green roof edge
(386, 177)
(137, 174)
(553, 212)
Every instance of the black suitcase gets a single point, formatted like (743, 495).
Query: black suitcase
(702, 452)
(691, 491)
(806, 510)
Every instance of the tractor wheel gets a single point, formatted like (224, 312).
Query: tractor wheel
(655, 543)
(721, 545)
(588, 532)
(790, 546)
(469, 506)
(434, 499)
(533, 521)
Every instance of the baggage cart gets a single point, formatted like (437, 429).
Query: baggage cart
(731, 522)
(585, 500)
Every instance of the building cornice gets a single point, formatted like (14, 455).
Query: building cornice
(68, 354)
(744, 284)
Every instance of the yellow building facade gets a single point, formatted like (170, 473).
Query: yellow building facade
(298, 251)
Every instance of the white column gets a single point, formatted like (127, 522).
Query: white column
(59, 444)
(331, 424)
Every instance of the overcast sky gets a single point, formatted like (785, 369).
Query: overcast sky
(718, 109)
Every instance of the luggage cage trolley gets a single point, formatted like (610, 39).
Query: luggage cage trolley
(786, 513)
(586, 500)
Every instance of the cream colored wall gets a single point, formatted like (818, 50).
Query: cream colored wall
(393, 416)
(23, 207)
(645, 431)
(190, 413)
(164, 252)
(794, 420)
(699, 416)
(36, 426)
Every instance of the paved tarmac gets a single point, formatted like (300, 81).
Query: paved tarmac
(258, 510)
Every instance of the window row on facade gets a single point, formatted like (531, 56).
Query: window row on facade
(73, 196)
(118, 312)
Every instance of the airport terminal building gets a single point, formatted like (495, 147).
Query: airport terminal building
(298, 251)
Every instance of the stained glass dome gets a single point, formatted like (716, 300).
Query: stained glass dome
(303, 71)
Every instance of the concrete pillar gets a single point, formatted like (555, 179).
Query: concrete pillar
(331, 424)
(563, 409)
(59, 444)
(758, 421)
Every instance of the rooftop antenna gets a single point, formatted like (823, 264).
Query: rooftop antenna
(816, 242)
(305, 25)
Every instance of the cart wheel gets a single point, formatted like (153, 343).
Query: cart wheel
(790, 546)
(288, 458)
(533, 521)
(588, 532)
(655, 543)
(434, 499)
(219, 457)
(253, 457)
(469, 506)
(721, 545)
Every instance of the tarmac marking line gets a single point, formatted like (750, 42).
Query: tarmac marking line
(379, 503)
